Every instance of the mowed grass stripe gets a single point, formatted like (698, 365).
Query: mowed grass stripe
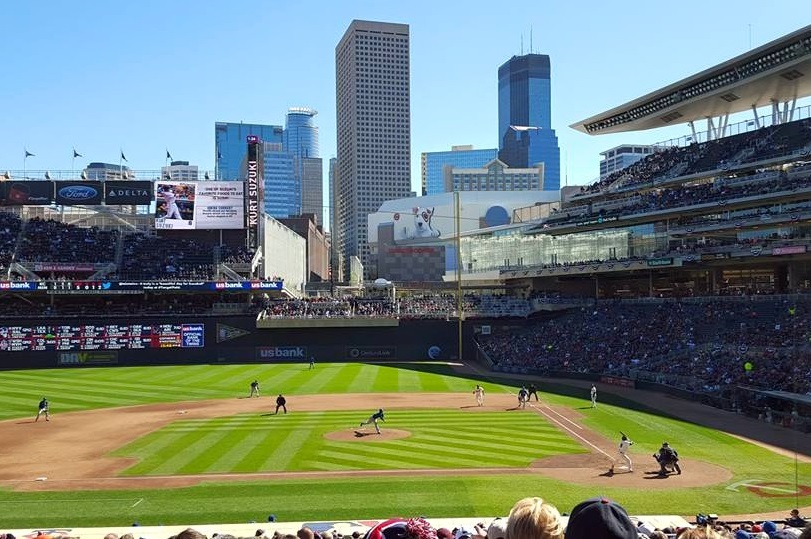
(283, 456)
(175, 455)
(150, 450)
(362, 380)
(206, 450)
(438, 457)
(476, 444)
(409, 381)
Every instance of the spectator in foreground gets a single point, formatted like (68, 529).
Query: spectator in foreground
(532, 518)
(600, 518)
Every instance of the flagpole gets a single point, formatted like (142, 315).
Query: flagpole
(120, 163)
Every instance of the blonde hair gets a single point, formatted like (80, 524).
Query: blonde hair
(531, 518)
(705, 532)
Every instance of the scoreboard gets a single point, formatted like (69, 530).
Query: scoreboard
(41, 338)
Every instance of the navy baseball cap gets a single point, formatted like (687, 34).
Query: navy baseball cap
(600, 518)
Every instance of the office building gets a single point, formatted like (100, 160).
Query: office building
(620, 157)
(525, 132)
(231, 149)
(373, 105)
(107, 171)
(494, 176)
(434, 165)
(282, 190)
(301, 141)
(180, 171)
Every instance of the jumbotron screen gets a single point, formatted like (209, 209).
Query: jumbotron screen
(199, 205)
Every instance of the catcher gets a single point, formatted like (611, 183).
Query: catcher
(668, 459)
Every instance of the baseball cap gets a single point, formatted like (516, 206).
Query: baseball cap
(769, 527)
(497, 529)
(600, 518)
(742, 534)
(462, 533)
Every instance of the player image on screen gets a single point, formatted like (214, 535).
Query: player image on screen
(174, 203)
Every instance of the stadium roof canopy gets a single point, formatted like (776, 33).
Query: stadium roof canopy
(777, 72)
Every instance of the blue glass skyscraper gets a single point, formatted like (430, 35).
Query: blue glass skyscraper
(300, 133)
(525, 132)
(231, 148)
(282, 190)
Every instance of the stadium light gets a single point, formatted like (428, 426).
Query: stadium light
(47, 175)
(206, 176)
(84, 175)
(7, 175)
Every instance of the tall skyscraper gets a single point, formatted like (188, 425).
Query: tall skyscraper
(230, 145)
(435, 163)
(525, 132)
(373, 104)
(301, 141)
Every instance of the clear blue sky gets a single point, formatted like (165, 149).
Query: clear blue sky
(155, 74)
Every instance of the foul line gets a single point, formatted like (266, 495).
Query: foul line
(567, 429)
(136, 503)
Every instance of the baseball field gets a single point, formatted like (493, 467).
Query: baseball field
(186, 445)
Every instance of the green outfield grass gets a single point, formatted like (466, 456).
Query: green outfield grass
(295, 442)
(440, 438)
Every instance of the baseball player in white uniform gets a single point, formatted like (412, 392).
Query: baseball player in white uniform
(479, 392)
(625, 444)
(169, 196)
(593, 396)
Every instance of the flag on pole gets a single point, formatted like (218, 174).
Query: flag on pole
(123, 158)
(168, 155)
(28, 154)
(76, 154)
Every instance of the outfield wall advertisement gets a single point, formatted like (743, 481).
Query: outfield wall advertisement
(199, 205)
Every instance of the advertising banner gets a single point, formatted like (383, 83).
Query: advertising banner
(790, 250)
(281, 353)
(371, 352)
(36, 193)
(253, 186)
(79, 193)
(199, 205)
(122, 192)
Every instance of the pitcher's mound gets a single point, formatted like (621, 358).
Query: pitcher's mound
(366, 435)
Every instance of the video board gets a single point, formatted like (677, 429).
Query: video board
(199, 205)
(81, 337)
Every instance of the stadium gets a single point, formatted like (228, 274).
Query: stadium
(678, 287)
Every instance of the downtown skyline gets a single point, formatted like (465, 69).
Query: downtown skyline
(165, 88)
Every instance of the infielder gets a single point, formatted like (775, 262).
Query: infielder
(479, 392)
(43, 409)
(254, 388)
(523, 397)
(373, 419)
(593, 396)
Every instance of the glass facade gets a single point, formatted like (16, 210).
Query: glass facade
(511, 247)
(231, 147)
(435, 163)
(524, 100)
(300, 134)
(282, 191)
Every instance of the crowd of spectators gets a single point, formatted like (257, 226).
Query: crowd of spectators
(159, 258)
(707, 344)
(535, 518)
(55, 241)
(413, 306)
(682, 196)
(9, 231)
(749, 147)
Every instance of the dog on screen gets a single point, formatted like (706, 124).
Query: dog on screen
(422, 223)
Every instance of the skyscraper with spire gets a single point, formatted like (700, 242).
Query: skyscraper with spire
(525, 132)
